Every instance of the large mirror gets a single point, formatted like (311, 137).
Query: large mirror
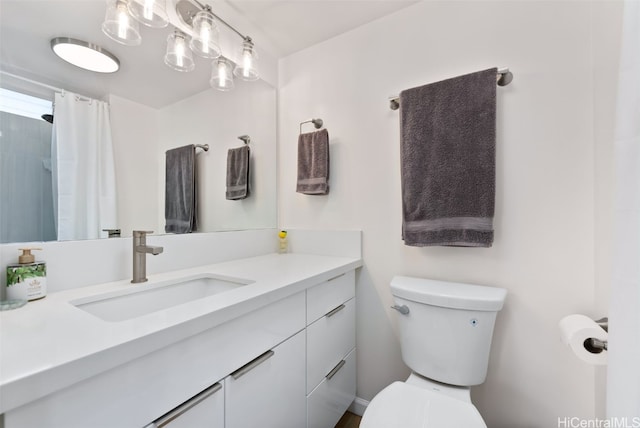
(152, 109)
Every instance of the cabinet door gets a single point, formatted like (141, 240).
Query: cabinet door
(269, 392)
(205, 410)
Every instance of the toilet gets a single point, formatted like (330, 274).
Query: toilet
(445, 336)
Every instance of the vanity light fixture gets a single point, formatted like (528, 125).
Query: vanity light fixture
(205, 35)
(221, 75)
(151, 13)
(121, 24)
(85, 55)
(246, 68)
(203, 21)
(178, 55)
(118, 24)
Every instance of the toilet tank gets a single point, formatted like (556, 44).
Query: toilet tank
(446, 335)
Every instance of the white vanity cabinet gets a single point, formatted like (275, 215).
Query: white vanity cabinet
(289, 363)
(331, 341)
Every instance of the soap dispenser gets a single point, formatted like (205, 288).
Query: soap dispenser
(27, 279)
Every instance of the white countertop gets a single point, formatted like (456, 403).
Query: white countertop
(50, 344)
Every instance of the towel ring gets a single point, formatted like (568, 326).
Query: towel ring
(316, 122)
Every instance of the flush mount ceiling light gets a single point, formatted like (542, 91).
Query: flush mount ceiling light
(85, 55)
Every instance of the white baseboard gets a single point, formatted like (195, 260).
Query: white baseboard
(358, 406)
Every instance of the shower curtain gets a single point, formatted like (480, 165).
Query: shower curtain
(623, 375)
(82, 154)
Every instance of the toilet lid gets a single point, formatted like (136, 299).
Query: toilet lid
(401, 405)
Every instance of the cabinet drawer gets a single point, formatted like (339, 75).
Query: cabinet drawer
(268, 392)
(324, 297)
(329, 339)
(328, 402)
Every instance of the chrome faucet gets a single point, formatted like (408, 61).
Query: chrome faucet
(140, 250)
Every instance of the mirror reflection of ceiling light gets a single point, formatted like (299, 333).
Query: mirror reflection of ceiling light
(151, 13)
(119, 26)
(85, 55)
(121, 20)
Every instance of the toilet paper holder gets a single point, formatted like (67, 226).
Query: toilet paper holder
(596, 346)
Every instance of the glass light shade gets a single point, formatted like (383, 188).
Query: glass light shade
(85, 55)
(119, 26)
(246, 68)
(221, 75)
(205, 35)
(178, 55)
(151, 13)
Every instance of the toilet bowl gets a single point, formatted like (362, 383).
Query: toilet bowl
(445, 336)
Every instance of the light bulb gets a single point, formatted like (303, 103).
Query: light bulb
(178, 56)
(180, 52)
(205, 34)
(222, 74)
(246, 66)
(148, 9)
(247, 62)
(123, 20)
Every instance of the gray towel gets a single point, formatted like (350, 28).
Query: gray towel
(313, 163)
(180, 191)
(448, 145)
(238, 173)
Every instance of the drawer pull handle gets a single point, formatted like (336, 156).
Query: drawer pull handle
(334, 311)
(186, 406)
(336, 277)
(252, 364)
(335, 370)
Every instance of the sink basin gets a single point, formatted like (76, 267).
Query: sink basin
(147, 298)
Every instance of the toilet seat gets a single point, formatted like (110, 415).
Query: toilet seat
(401, 405)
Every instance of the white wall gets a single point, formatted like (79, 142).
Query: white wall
(134, 130)
(545, 221)
(218, 118)
(606, 54)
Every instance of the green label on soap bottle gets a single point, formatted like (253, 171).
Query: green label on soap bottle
(18, 274)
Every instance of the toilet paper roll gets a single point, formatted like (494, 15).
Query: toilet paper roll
(575, 329)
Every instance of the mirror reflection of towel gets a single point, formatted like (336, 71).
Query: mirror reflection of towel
(180, 190)
(313, 163)
(238, 173)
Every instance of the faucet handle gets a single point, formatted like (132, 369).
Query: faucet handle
(140, 233)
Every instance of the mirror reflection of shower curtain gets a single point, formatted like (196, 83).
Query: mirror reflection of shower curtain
(623, 372)
(82, 160)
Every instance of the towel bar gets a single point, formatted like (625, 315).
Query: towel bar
(204, 147)
(503, 78)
